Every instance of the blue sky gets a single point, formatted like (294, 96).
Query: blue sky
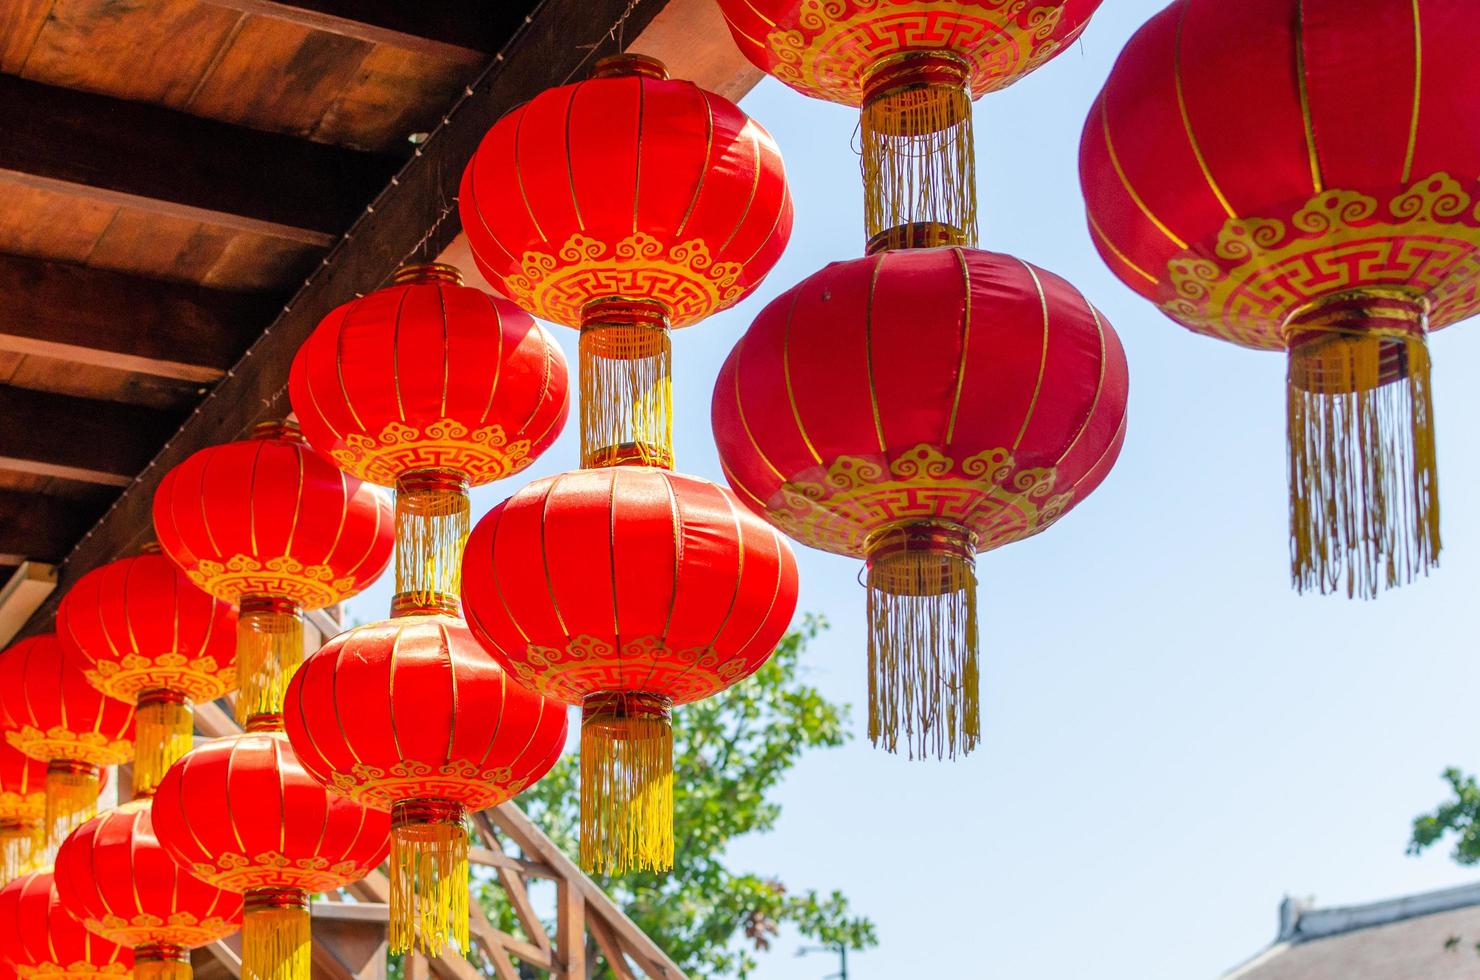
(1172, 739)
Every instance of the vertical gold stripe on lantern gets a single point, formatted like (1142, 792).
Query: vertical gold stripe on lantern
(269, 649)
(626, 783)
(432, 524)
(626, 384)
(276, 938)
(161, 963)
(71, 797)
(163, 728)
(919, 158)
(429, 877)
(1364, 491)
(924, 679)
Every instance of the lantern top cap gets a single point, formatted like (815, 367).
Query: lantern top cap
(628, 64)
(149, 548)
(278, 429)
(417, 273)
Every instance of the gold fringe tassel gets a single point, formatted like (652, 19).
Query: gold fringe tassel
(429, 877)
(626, 385)
(918, 154)
(432, 524)
(161, 963)
(269, 648)
(276, 937)
(22, 848)
(1364, 491)
(923, 676)
(71, 797)
(626, 783)
(163, 729)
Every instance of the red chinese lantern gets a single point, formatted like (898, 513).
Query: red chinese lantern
(55, 716)
(146, 635)
(627, 590)
(625, 205)
(22, 812)
(430, 387)
(42, 939)
(1300, 176)
(914, 69)
(114, 877)
(453, 736)
(273, 526)
(241, 814)
(915, 408)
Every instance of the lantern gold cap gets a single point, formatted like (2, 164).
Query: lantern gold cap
(628, 64)
(427, 272)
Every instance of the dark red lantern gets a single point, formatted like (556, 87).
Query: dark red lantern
(272, 525)
(912, 409)
(1300, 175)
(147, 636)
(430, 387)
(914, 69)
(411, 716)
(55, 716)
(241, 814)
(43, 940)
(624, 205)
(627, 590)
(22, 812)
(114, 877)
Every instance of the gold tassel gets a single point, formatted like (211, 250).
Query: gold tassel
(269, 648)
(919, 158)
(22, 848)
(276, 936)
(1364, 491)
(71, 797)
(163, 727)
(626, 783)
(429, 877)
(626, 384)
(923, 676)
(161, 963)
(432, 523)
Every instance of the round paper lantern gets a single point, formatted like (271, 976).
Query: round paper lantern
(241, 814)
(43, 940)
(1301, 176)
(22, 812)
(114, 877)
(914, 69)
(146, 635)
(55, 716)
(912, 409)
(627, 590)
(273, 526)
(430, 387)
(454, 735)
(625, 205)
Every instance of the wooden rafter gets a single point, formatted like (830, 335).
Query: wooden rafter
(171, 163)
(78, 438)
(110, 320)
(40, 528)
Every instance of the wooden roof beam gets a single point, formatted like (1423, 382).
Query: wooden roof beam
(78, 438)
(111, 320)
(35, 527)
(167, 162)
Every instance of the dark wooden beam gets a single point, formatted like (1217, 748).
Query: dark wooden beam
(78, 438)
(107, 319)
(168, 162)
(461, 30)
(563, 40)
(40, 528)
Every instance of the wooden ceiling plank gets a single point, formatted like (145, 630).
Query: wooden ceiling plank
(40, 528)
(458, 30)
(168, 162)
(111, 320)
(563, 40)
(78, 438)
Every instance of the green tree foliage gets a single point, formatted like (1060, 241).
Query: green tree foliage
(1459, 816)
(729, 752)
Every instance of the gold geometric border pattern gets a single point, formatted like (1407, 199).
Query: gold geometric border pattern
(483, 455)
(92, 748)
